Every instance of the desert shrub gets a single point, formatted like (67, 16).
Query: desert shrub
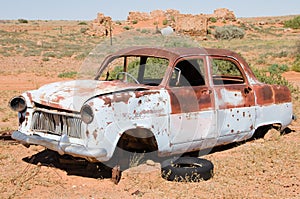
(165, 22)
(126, 27)
(70, 74)
(296, 64)
(45, 59)
(293, 23)
(229, 32)
(298, 47)
(213, 20)
(22, 20)
(134, 22)
(82, 23)
(282, 54)
(278, 69)
(118, 22)
(50, 54)
(274, 78)
(32, 52)
(145, 31)
(83, 30)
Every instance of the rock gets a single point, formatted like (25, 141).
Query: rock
(272, 135)
(150, 162)
(167, 31)
(142, 173)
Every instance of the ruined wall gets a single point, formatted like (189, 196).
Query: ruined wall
(194, 25)
(138, 16)
(100, 26)
(224, 14)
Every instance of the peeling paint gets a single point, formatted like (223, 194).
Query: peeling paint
(181, 118)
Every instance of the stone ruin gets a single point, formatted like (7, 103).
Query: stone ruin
(101, 26)
(194, 25)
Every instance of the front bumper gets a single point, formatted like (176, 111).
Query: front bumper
(63, 146)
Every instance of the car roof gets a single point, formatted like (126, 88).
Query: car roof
(171, 53)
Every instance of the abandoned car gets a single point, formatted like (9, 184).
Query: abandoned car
(167, 100)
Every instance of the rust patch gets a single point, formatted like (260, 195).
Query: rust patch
(264, 94)
(95, 134)
(270, 94)
(29, 95)
(58, 99)
(121, 97)
(107, 101)
(282, 94)
(190, 99)
(139, 94)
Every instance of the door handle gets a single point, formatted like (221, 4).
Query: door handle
(206, 92)
(247, 90)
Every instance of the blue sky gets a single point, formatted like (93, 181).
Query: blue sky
(118, 10)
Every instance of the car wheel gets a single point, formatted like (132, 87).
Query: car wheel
(187, 169)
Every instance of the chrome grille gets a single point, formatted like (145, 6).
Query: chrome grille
(56, 124)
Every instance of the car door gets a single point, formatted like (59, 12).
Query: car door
(192, 116)
(234, 100)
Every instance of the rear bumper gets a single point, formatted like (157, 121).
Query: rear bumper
(63, 146)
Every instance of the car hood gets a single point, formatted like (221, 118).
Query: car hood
(71, 95)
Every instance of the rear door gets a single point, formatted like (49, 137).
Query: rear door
(234, 99)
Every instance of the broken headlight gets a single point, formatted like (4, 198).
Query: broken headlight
(18, 104)
(87, 114)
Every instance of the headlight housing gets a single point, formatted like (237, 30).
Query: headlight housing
(87, 114)
(18, 104)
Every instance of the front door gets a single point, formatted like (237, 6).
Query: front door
(192, 116)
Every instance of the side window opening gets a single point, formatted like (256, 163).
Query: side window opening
(139, 69)
(189, 72)
(225, 71)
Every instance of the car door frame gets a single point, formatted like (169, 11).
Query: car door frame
(235, 106)
(192, 128)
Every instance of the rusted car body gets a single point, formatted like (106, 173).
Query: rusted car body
(169, 100)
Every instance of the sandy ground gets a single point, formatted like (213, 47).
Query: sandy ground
(255, 169)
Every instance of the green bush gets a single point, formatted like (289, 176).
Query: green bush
(293, 23)
(229, 32)
(134, 22)
(83, 23)
(22, 20)
(50, 54)
(165, 22)
(71, 74)
(278, 69)
(296, 64)
(126, 27)
(83, 30)
(213, 20)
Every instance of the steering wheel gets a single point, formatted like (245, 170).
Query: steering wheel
(129, 75)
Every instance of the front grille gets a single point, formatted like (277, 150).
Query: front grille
(56, 123)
